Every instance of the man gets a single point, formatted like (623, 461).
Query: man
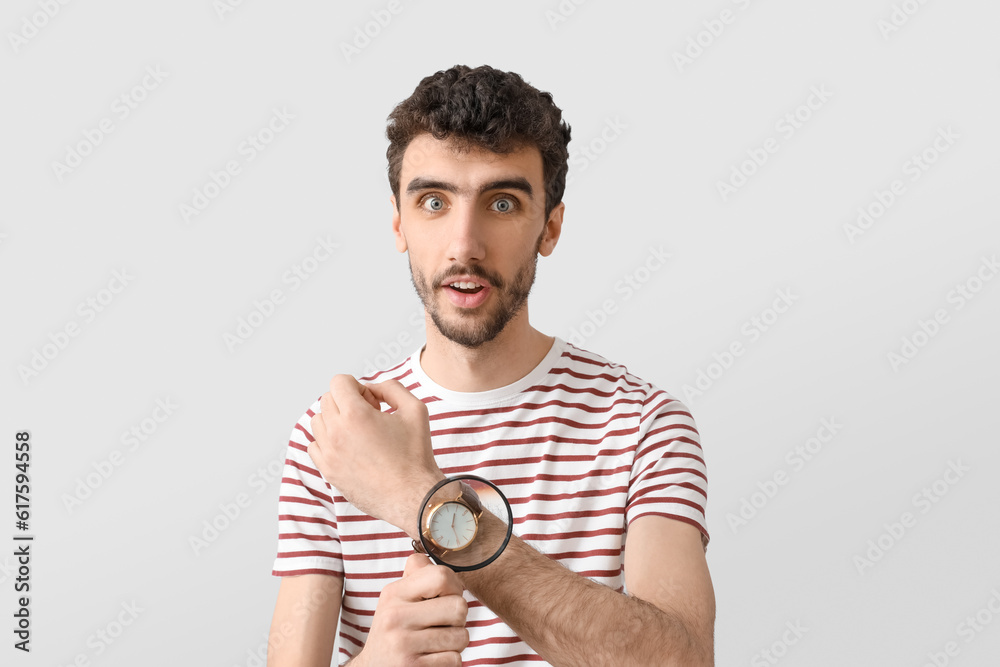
(603, 472)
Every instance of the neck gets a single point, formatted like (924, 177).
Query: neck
(514, 353)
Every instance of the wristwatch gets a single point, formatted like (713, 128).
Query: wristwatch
(452, 525)
(449, 524)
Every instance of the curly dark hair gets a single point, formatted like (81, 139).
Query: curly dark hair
(485, 108)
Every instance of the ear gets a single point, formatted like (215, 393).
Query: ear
(553, 227)
(397, 228)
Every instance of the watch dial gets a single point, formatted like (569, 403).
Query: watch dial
(453, 526)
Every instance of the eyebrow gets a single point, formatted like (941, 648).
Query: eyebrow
(511, 183)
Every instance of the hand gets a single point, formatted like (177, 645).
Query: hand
(382, 463)
(419, 620)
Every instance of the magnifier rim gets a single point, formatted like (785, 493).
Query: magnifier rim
(503, 545)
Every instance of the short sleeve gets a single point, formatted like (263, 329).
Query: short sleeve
(308, 541)
(669, 477)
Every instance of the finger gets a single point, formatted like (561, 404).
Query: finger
(439, 640)
(341, 382)
(370, 397)
(327, 405)
(394, 393)
(315, 453)
(445, 659)
(446, 610)
(415, 562)
(318, 428)
(430, 581)
(349, 394)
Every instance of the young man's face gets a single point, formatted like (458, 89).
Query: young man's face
(472, 217)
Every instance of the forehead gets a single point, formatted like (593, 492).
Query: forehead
(451, 161)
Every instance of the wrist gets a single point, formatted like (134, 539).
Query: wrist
(409, 523)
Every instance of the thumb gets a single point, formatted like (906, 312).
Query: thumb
(392, 392)
(367, 394)
(415, 562)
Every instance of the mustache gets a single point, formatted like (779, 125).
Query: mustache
(475, 272)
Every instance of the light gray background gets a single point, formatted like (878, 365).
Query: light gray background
(682, 130)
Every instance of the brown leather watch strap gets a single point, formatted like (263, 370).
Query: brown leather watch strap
(471, 498)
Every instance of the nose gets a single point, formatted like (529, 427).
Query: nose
(466, 242)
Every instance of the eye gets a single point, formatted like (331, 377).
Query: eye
(432, 203)
(505, 205)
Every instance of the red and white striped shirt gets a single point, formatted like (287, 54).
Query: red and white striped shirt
(580, 447)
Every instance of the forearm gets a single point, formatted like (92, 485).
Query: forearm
(571, 620)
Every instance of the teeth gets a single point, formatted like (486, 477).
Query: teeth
(465, 285)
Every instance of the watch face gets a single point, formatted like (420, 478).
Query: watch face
(452, 526)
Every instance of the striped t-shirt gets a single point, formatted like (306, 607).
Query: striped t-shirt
(579, 446)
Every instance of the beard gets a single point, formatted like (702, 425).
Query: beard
(474, 328)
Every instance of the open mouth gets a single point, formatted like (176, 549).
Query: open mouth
(466, 288)
(467, 294)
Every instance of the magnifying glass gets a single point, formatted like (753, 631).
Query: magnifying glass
(465, 523)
